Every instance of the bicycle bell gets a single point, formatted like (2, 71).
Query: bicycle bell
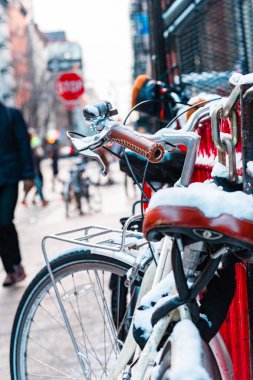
(99, 111)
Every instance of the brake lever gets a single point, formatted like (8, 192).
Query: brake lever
(90, 142)
(86, 145)
(90, 153)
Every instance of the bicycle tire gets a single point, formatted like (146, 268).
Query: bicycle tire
(208, 366)
(78, 201)
(94, 198)
(93, 171)
(27, 356)
(66, 194)
(129, 187)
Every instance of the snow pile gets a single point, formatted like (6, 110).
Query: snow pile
(222, 171)
(144, 252)
(142, 318)
(246, 79)
(186, 353)
(209, 198)
(130, 240)
(250, 168)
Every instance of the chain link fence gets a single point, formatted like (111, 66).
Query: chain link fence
(205, 41)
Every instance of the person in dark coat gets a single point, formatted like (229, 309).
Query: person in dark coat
(15, 165)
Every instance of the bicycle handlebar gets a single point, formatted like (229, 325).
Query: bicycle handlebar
(138, 143)
(152, 147)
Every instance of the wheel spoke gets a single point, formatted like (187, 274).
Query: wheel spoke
(52, 368)
(85, 337)
(44, 348)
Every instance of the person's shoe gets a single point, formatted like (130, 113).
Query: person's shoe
(23, 202)
(44, 203)
(110, 182)
(16, 276)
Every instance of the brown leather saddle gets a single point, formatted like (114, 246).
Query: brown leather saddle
(187, 218)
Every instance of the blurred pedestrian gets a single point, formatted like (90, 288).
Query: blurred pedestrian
(37, 155)
(53, 153)
(15, 165)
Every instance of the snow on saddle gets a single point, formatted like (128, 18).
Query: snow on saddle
(203, 211)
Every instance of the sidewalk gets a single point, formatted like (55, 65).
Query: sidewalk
(33, 223)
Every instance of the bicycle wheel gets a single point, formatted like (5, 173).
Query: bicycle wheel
(93, 172)
(94, 198)
(129, 187)
(40, 344)
(66, 193)
(184, 353)
(78, 201)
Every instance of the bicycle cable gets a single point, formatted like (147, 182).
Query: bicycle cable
(150, 101)
(130, 167)
(142, 210)
(134, 177)
(124, 151)
(167, 126)
(190, 108)
(143, 181)
(125, 162)
(143, 193)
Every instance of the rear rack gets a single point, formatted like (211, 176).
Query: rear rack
(107, 238)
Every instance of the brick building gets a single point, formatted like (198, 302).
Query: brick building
(19, 16)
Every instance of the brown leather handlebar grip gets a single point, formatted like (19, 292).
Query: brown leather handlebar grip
(136, 142)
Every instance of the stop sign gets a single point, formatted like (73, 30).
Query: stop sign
(69, 86)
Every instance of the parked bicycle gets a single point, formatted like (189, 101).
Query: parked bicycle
(65, 313)
(80, 187)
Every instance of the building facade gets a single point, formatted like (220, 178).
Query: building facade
(63, 56)
(18, 20)
(140, 37)
(7, 81)
(204, 42)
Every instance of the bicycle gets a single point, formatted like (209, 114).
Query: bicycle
(79, 186)
(127, 254)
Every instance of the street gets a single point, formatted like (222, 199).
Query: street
(33, 222)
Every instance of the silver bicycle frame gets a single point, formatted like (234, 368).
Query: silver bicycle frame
(191, 140)
(152, 275)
